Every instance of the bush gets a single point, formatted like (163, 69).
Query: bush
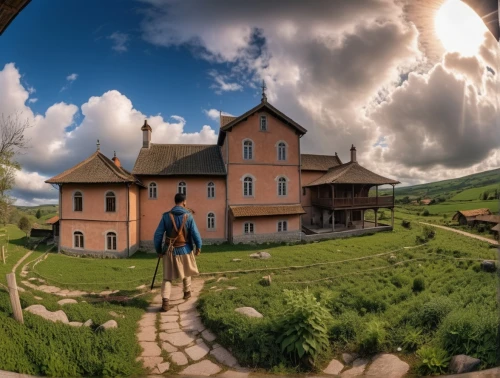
(372, 338)
(302, 329)
(433, 361)
(434, 311)
(425, 213)
(473, 332)
(413, 338)
(406, 224)
(418, 284)
(346, 327)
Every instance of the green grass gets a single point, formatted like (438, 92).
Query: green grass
(474, 193)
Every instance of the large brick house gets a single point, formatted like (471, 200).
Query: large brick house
(254, 185)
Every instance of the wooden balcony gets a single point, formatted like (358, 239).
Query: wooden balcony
(360, 202)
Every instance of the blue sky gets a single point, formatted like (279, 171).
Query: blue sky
(373, 73)
(51, 40)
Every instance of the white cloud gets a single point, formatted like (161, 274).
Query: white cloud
(31, 90)
(120, 41)
(214, 114)
(111, 118)
(222, 83)
(72, 77)
(32, 100)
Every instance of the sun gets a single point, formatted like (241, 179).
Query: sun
(459, 28)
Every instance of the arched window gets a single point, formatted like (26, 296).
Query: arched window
(247, 150)
(211, 221)
(281, 151)
(282, 189)
(248, 228)
(110, 202)
(211, 190)
(78, 239)
(181, 188)
(248, 187)
(78, 201)
(111, 241)
(153, 190)
(282, 226)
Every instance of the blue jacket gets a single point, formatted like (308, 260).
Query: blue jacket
(166, 226)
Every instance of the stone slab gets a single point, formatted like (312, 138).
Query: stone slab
(334, 367)
(168, 347)
(179, 358)
(163, 367)
(358, 367)
(225, 357)
(177, 339)
(168, 326)
(387, 366)
(204, 368)
(208, 335)
(151, 362)
(67, 301)
(150, 349)
(168, 318)
(147, 334)
(198, 351)
(188, 305)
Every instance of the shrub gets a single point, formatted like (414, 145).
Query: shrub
(302, 328)
(433, 361)
(473, 332)
(418, 284)
(372, 338)
(413, 338)
(406, 224)
(434, 311)
(425, 213)
(346, 327)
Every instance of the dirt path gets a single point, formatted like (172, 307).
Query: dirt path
(21, 260)
(482, 238)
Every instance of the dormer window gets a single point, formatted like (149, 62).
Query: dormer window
(263, 123)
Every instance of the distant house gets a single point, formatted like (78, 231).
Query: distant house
(487, 219)
(465, 217)
(54, 222)
(426, 201)
(496, 230)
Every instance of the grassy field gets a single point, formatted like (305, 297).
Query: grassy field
(474, 193)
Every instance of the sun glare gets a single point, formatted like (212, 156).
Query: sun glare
(459, 28)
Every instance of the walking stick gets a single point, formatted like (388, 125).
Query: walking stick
(156, 270)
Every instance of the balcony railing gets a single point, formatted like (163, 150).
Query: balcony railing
(353, 202)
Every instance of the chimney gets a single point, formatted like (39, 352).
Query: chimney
(353, 154)
(116, 161)
(146, 134)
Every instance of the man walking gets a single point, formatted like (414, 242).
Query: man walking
(179, 229)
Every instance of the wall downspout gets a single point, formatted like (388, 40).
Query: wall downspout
(128, 219)
(300, 190)
(226, 231)
(60, 219)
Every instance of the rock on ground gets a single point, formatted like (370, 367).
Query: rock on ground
(40, 310)
(358, 367)
(250, 312)
(204, 368)
(88, 323)
(179, 358)
(198, 351)
(108, 325)
(261, 255)
(334, 367)
(488, 266)
(387, 366)
(224, 356)
(463, 364)
(349, 357)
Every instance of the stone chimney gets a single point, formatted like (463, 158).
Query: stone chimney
(353, 154)
(146, 134)
(116, 161)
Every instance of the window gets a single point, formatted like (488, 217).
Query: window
(281, 151)
(211, 221)
(153, 191)
(248, 187)
(247, 150)
(248, 228)
(78, 236)
(211, 190)
(111, 241)
(282, 186)
(181, 188)
(282, 226)
(110, 202)
(263, 123)
(78, 201)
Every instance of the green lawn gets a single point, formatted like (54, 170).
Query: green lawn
(474, 193)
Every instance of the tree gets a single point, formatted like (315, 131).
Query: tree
(38, 214)
(24, 225)
(12, 140)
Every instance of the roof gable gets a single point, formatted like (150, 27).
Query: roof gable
(473, 213)
(97, 168)
(351, 173)
(180, 159)
(263, 105)
(311, 162)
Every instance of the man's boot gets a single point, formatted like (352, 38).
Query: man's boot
(164, 305)
(187, 294)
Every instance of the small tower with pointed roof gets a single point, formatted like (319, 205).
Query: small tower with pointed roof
(146, 134)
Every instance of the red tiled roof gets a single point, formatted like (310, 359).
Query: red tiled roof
(472, 213)
(351, 173)
(225, 119)
(52, 220)
(180, 159)
(96, 169)
(318, 162)
(265, 210)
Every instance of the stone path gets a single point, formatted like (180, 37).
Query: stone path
(479, 237)
(382, 365)
(179, 335)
